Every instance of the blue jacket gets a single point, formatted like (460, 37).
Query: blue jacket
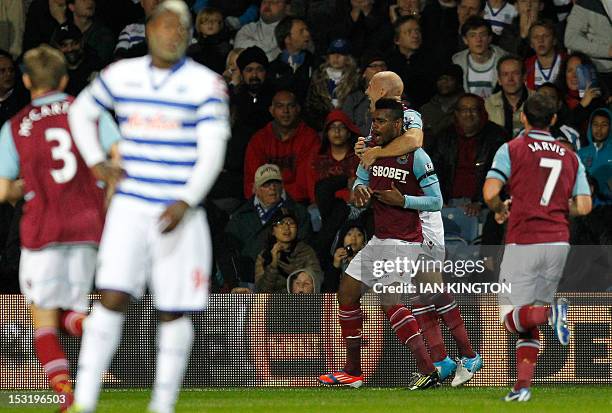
(598, 162)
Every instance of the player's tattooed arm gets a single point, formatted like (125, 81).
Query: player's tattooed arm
(411, 140)
(11, 191)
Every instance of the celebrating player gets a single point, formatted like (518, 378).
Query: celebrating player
(64, 211)
(397, 186)
(173, 119)
(429, 307)
(542, 177)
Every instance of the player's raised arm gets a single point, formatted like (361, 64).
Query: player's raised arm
(581, 202)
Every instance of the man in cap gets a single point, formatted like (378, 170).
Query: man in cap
(247, 229)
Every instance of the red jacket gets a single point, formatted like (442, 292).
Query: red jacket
(291, 156)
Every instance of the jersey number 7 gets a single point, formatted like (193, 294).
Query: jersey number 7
(555, 170)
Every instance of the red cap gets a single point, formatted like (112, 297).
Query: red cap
(338, 115)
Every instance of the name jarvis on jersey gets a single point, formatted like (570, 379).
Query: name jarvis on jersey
(388, 172)
(546, 146)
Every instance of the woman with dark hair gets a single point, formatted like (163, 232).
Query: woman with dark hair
(580, 107)
(350, 239)
(283, 255)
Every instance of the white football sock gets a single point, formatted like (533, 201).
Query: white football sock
(175, 340)
(101, 335)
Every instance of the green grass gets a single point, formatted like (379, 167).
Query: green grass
(575, 399)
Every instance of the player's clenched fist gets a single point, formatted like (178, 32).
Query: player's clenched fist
(361, 195)
(108, 172)
(172, 216)
(391, 196)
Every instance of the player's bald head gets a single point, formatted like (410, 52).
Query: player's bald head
(390, 82)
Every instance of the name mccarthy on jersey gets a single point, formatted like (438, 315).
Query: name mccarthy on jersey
(39, 113)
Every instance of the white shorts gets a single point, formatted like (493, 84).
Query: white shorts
(533, 272)
(368, 266)
(134, 254)
(433, 234)
(58, 277)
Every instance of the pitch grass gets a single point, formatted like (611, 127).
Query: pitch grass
(574, 399)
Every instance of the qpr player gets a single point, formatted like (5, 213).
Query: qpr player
(173, 118)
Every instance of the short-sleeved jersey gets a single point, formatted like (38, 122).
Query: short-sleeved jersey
(542, 176)
(64, 204)
(410, 173)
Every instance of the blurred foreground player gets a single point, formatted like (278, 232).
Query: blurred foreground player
(173, 119)
(399, 186)
(427, 308)
(64, 211)
(546, 182)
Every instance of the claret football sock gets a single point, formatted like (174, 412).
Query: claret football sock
(101, 335)
(51, 356)
(523, 319)
(351, 323)
(427, 318)
(72, 322)
(407, 330)
(527, 348)
(174, 343)
(447, 308)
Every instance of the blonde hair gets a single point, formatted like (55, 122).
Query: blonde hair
(207, 11)
(45, 66)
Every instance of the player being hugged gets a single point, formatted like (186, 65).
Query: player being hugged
(173, 118)
(400, 187)
(546, 182)
(64, 210)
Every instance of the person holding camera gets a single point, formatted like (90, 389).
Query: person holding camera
(350, 239)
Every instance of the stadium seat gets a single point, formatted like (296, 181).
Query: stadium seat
(468, 226)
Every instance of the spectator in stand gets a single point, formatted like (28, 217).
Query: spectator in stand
(331, 173)
(261, 32)
(463, 154)
(303, 281)
(357, 104)
(597, 156)
(480, 59)
(440, 26)
(505, 107)
(231, 74)
(285, 141)
(132, 41)
(589, 30)
(438, 113)
(247, 230)
(404, 8)
(12, 26)
(350, 239)
(499, 13)
(411, 62)
(212, 40)
(580, 105)
(82, 64)
(560, 130)
(238, 12)
(44, 16)
(515, 36)
(284, 254)
(250, 111)
(13, 96)
(364, 23)
(295, 64)
(545, 65)
(96, 36)
(331, 83)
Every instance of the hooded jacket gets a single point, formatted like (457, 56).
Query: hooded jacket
(598, 162)
(316, 279)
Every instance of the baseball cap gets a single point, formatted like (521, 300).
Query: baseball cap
(65, 32)
(340, 46)
(267, 172)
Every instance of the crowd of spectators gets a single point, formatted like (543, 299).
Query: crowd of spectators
(298, 71)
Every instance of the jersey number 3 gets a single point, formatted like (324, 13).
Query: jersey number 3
(62, 152)
(555, 170)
